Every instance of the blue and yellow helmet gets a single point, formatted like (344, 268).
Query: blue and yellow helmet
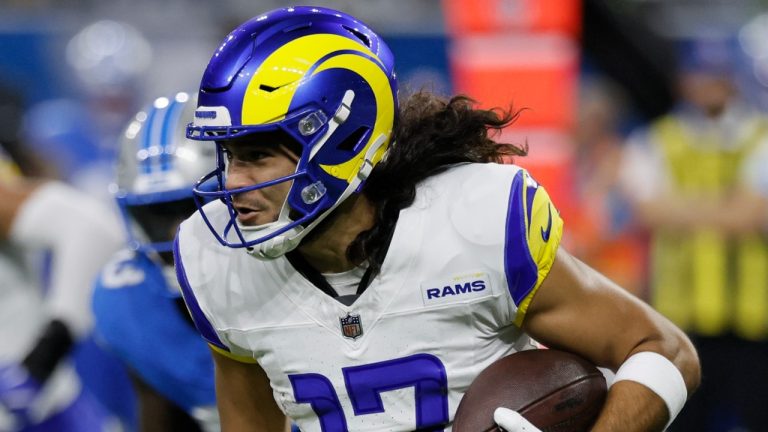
(319, 76)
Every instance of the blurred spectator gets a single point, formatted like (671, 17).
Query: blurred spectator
(688, 177)
(604, 234)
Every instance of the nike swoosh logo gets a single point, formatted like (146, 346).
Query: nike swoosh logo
(545, 233)
(270, 89)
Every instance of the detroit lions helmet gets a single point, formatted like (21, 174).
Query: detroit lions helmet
(318, 76)
(156, 170)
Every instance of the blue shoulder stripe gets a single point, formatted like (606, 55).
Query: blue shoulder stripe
(519, 267)
(201, 322)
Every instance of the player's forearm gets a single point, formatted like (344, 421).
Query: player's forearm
(632, 407)
(652, 385)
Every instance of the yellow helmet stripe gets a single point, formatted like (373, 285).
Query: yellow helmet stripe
(283, 70)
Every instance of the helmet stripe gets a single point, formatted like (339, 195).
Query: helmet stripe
(283, 69)
(146, 140)
(169, 129)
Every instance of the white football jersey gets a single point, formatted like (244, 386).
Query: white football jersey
(465, 259)
(21, 314)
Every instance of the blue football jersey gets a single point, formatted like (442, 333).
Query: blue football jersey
(138, 317)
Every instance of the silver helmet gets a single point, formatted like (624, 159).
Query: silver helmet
(156, 170)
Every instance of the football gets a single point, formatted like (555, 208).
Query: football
(555, 390)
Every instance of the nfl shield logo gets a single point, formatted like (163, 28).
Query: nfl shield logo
(351, 326)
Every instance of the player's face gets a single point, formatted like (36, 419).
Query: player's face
(252, 161)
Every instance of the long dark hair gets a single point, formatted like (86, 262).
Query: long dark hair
(431, 133)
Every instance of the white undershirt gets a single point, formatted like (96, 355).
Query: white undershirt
(345, 283)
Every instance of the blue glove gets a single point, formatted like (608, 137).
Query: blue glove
(512, 421)
(18, 392)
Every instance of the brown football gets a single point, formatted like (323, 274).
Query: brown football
(555, 390)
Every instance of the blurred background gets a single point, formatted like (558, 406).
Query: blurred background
(645, 120)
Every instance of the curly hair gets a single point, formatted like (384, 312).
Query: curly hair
(431, 134)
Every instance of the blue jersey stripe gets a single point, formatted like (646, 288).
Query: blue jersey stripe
(520, 269)
(201, 322)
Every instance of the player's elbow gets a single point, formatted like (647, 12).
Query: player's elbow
(669, 341)
(687, 360)
(678, 348)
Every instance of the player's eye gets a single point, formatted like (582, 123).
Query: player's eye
(253, 155)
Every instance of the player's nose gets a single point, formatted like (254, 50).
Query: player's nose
(238, 175)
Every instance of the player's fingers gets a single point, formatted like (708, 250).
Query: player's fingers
(512, 421)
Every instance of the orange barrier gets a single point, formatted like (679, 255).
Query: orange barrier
(537, 72)
(482, 16)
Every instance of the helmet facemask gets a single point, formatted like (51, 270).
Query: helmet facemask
(308, 200)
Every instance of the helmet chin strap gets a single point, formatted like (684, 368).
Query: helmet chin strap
(271, 249)
(289, 240)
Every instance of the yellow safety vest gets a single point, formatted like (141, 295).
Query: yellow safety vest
(703, 281)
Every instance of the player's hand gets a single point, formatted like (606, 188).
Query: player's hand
(512, 421)
(18, 392)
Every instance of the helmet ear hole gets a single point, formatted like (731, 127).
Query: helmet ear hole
(352, 141)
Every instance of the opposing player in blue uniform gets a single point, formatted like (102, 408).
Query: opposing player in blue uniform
(364, 260)
(137, 305)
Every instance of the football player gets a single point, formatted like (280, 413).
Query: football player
(137, 305)
(40, 389)
(364, 259)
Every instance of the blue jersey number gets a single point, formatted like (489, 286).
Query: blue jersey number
(365, 384)
(122, 271)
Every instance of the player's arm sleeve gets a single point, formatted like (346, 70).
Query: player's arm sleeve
(201, 321)
(533, 232)
(82, 233)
